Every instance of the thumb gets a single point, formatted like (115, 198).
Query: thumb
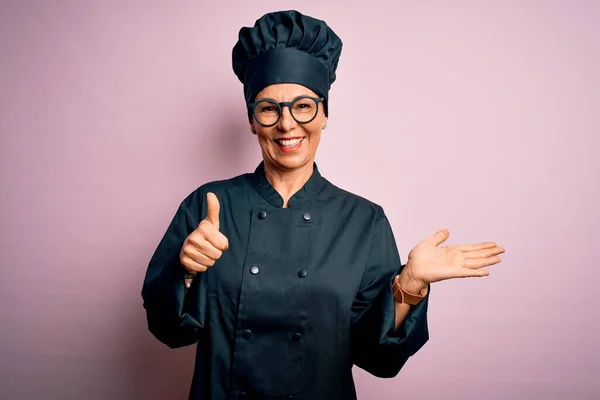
(213, 207)
(440, 237)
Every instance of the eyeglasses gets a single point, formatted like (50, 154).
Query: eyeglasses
(303, 109)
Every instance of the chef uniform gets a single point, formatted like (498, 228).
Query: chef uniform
(303, 293)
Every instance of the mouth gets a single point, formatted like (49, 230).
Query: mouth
(289, 144)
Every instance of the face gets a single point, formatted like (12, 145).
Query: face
(289, 145)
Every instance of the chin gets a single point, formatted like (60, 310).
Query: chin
(291, 162)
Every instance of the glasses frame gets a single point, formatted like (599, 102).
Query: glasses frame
(288, 104)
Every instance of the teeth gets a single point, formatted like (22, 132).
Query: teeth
(290, 143)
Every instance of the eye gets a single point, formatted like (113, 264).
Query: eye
(305, 105)
(267, 108)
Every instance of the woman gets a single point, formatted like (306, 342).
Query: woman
(292, 280)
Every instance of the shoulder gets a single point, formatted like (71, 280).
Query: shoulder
(351, 201)
(221, 188)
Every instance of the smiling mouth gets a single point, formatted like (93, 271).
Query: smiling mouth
(289, 143)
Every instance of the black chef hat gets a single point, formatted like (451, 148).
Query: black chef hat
(286, 47)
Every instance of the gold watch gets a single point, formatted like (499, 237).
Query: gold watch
(402, 296)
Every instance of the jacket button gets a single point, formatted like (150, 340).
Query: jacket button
(242, 396)
(302, 273)
(254, 270)
(296, 337)
(262, 215)
(306, 217)
(289, 398)
(247, 334)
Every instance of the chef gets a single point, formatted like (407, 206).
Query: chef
(281, 279)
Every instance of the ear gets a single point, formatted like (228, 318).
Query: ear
(252, 129)
(325, 123)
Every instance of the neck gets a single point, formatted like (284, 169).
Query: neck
(288, 182)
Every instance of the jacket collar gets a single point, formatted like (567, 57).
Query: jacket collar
(311, 188)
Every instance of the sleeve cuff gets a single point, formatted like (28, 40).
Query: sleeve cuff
(413, 332)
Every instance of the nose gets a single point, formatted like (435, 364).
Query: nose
(286, 122)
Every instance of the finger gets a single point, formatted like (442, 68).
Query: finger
(213, 208)
(209, 232)
(201, 259)
(476, 246)
(204, 247)
(494, 251)
(481, 262)
(473, 273)
(217, 239)
(191, 265)
(440, 237)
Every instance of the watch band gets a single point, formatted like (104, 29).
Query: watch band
(402, 296)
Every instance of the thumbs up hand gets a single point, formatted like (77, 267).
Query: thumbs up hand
(205, 245)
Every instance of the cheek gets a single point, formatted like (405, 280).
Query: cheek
(263, 137)
(315, 137)
(315, 127)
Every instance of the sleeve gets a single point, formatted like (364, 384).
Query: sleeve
(376, 347)
(174, 317)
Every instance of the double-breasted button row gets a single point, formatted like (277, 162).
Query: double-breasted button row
(263, 214)
(247, 334)
(254, 270)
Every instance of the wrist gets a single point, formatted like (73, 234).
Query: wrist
(407, 291)
(409, 283)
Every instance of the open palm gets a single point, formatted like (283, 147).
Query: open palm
(430, 262)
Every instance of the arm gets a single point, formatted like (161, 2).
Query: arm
(175, 316)
(382, 339)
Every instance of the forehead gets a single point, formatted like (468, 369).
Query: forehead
(284, 92)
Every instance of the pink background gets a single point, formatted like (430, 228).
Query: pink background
(477, 116)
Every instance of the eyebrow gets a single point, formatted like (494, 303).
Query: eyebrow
(270, 99)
